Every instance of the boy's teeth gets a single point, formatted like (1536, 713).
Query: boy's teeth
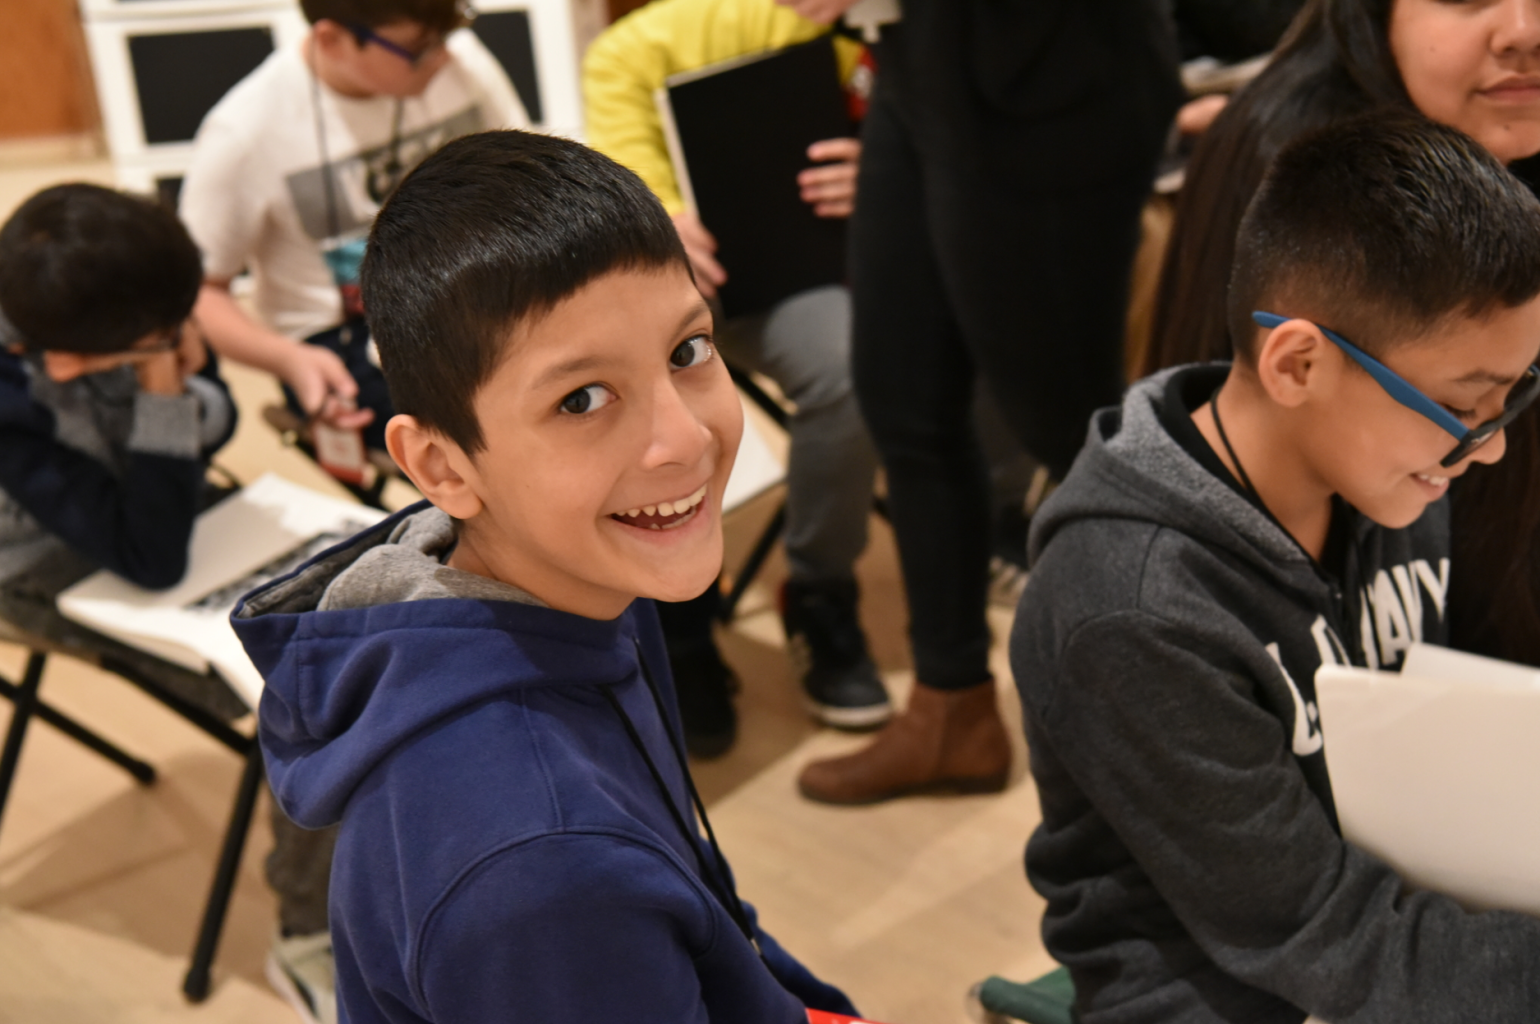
(667, 508)
(1436, 481)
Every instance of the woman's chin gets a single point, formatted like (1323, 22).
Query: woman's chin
(1513, 142)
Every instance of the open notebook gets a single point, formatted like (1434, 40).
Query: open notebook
(257, 534)
(1434, 770)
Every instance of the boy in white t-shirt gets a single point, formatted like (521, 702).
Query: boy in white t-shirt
(288, 171)
(291, 166)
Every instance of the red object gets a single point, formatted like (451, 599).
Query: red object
(819, 1017)
(858, 87)
(340, 452)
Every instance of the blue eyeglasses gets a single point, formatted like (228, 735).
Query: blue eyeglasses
(1523, 393)
(365, 35)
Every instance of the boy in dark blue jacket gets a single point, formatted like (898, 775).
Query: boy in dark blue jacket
(109, 411)
(473, 687)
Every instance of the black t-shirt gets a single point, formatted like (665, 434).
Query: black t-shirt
(1187, 391)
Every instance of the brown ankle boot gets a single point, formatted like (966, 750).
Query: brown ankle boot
(945, 738)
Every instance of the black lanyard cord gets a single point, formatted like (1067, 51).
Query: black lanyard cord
(1213, 405)
(719, 881)
(392, 165)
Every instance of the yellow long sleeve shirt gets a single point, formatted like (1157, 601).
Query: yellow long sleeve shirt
(631, 59)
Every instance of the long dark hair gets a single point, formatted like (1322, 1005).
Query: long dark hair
(1334, 62)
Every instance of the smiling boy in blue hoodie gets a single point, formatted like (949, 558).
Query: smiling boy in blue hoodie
(473, 687)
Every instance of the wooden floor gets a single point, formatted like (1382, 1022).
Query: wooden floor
(904, 905)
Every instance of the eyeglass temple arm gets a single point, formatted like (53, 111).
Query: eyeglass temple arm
(1387, 378)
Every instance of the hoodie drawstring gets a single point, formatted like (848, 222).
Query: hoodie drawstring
(722, 885)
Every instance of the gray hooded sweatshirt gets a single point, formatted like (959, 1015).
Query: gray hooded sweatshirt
(1165, 651)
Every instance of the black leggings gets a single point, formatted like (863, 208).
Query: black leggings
(954, 276)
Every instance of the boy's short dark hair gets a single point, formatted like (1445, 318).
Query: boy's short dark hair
(1381, 227)
(494, 229)
(87, 269)
(441, 16)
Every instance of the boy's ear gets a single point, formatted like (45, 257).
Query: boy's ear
(1292, 360)
(439, 467)
(332, 36)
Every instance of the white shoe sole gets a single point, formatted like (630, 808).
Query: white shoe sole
(284, 985)
(868, 717)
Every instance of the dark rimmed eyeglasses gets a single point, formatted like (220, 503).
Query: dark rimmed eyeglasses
(366, 35)
(1525, 390)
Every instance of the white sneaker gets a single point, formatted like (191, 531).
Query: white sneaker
(301, 969)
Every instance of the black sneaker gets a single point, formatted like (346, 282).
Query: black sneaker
(705, 686)
(824, 639)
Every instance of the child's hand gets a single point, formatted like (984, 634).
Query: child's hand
(831, 190)
(701, 246)
(324, 386)
(160, 373)
(192, 352)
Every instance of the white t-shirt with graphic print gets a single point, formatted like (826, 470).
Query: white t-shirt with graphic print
(255, 197)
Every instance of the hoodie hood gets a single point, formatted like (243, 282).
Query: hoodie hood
(347, 641)
(1131, 468)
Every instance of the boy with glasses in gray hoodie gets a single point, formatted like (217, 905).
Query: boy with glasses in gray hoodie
(1225, 533)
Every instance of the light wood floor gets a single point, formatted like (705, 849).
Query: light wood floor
(101, 881)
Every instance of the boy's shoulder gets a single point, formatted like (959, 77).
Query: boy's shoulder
(275, 92)
(19, 408)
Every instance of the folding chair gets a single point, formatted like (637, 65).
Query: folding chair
(772, 532)
(130, 665)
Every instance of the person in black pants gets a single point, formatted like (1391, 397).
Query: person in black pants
(1008, 151)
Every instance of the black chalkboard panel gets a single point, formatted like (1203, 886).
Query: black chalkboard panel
(507, 35)
(169, 191)
(744, 127)
(181, 75)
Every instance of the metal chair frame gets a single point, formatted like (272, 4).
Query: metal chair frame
(27, 704)
(777, 525)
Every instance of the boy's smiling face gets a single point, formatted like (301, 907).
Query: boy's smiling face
(613, 403)
(1383, 457)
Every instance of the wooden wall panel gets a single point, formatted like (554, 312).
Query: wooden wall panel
(45, 76)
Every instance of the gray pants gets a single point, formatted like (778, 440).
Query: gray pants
(299, 870)
(803, 344)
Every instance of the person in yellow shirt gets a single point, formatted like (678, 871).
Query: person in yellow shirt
(803, 343)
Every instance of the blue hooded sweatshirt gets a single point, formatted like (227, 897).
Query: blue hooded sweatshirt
(517, 838)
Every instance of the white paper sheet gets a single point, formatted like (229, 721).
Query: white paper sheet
(1436, 771)
(189, 623)
(756, 469)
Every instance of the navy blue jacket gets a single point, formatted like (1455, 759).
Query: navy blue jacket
(125, 500)
(505, 852)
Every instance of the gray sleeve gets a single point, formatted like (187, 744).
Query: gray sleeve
(166, 425)
(214, 404)
(1198, 781)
